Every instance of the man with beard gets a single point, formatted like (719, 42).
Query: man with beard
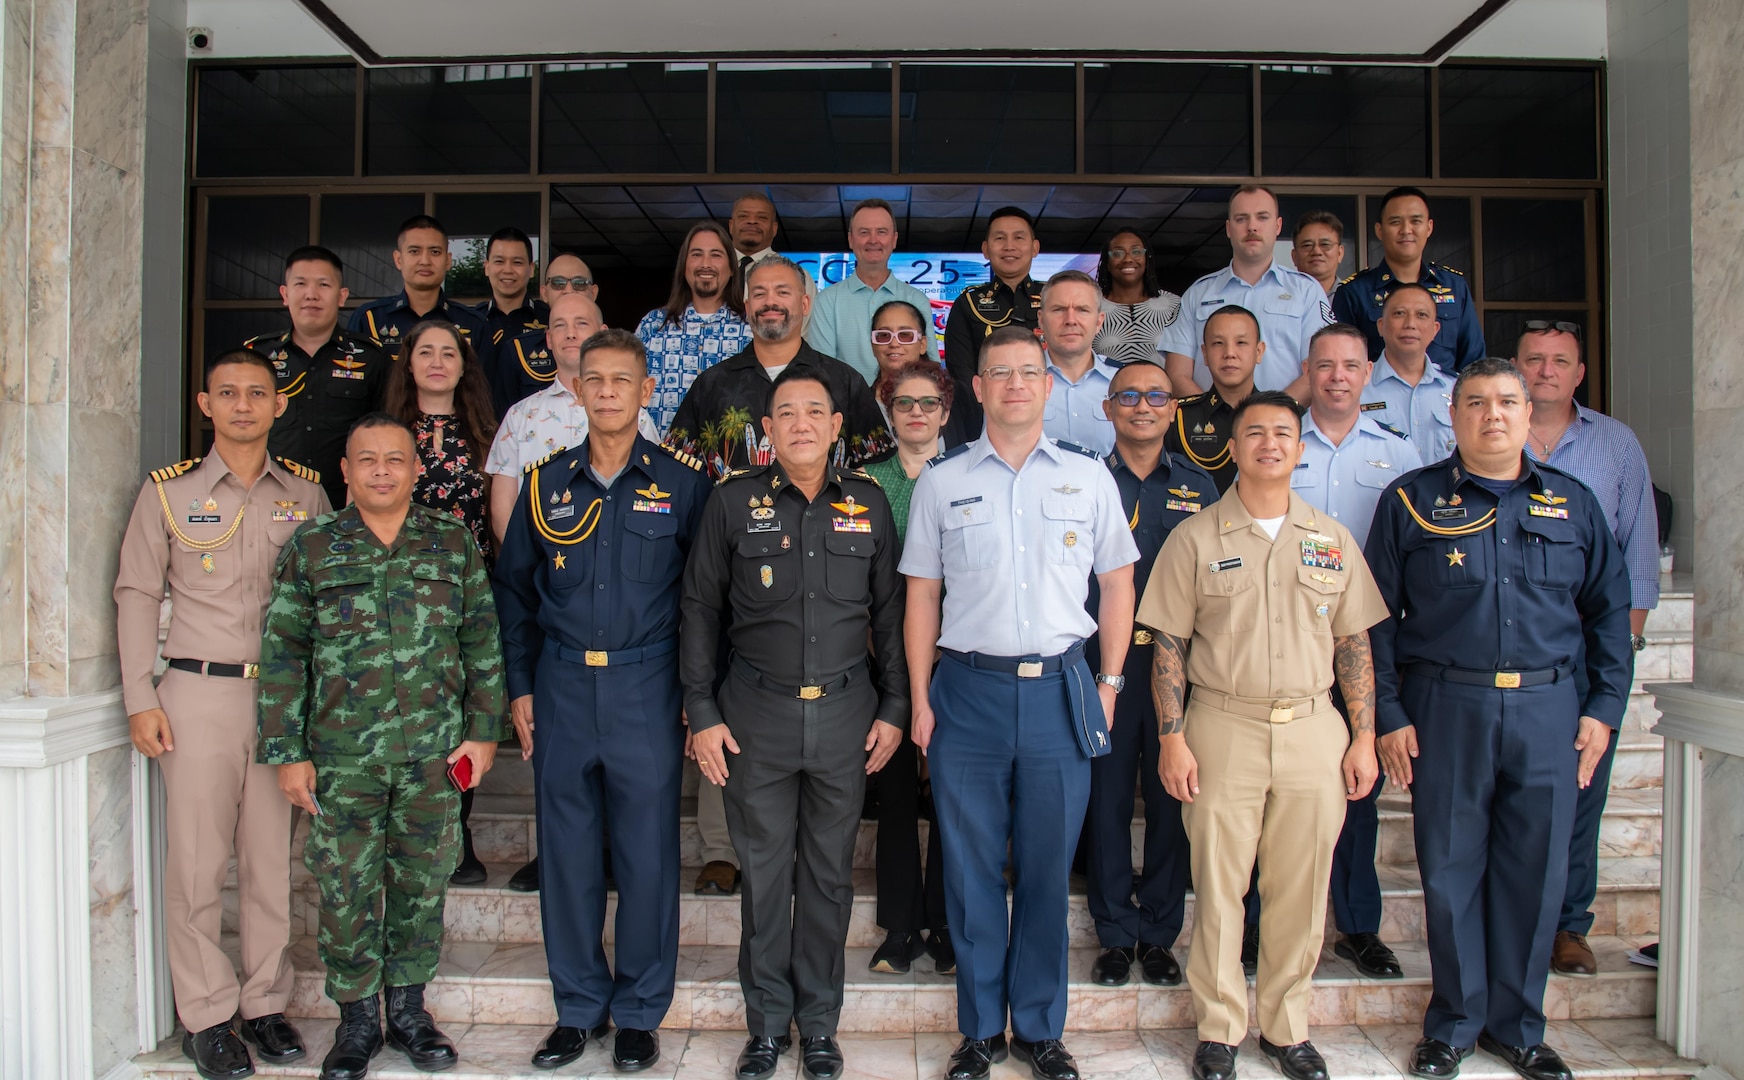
(702, 323)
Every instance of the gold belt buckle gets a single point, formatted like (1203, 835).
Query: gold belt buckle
(1029, 669)
(1142, 637)
(1507, 680)
(1282, 714)
(810, 693)
(596, 658)
(251, 671)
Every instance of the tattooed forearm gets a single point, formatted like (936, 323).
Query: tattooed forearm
(1169, 683)
(1355, 668)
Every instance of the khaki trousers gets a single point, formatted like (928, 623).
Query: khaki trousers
(218, 802)
(1275, 791)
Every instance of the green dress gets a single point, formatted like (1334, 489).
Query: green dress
(898, 488)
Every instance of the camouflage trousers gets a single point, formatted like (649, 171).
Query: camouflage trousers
(381, 851)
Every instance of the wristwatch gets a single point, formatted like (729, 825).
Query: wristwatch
(1637, 642)
(1116, 681)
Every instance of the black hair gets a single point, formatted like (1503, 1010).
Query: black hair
(511, 234)
(378, 419)
(800, 371)
(622, 340)
(1403, 191)
(1105, 272)
(419, 221)
(246, 357)
(1319, 217)
(1012, 211)
(1276, 399)
(919, 318)
(1407, 286)
(1235, 309)
(315, 253)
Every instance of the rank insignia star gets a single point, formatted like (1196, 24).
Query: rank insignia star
(1456, 557)
(558, 560)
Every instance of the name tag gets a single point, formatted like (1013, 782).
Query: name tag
(646, 506)
(1451, 513)
(763, 526)
(965, 502)
(205, 519)
(1544, 511)
(1374, 406)
(558, 513)
(290, 515)
(851, 525)
(1226, 564)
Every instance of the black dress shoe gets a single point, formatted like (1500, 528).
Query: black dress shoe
(526, 879)
(1250, 949)
(413, 1032)
(1532, 1062)
(1370, 955)
(564, 1045)
(274, 1038)
(895, 956)
(1113, 967)
(1297, 1061)
(635, 1049)
(1437, 1059)
(762, 1053)
(469, 872)
(1214, 1061)
(819, 1057)
(1158, 964)
(974, 1058)
(1047, 1058)
(943, 953)
(217, 1053)
(357, 1040)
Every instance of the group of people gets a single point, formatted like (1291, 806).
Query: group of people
(1248, 551)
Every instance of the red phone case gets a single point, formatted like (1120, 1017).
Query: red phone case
(460, 773)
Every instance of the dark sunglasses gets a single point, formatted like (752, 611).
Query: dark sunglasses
(1540, 326)
(928, 404)
(561, 283)
(1129, 398)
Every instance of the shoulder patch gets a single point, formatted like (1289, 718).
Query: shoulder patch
(530, 466)
(689, 461)
(948, 454)
(302, 472)
(170, 472)
(1076, 449)
(1391, 430)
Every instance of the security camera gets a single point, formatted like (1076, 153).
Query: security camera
(200, 38)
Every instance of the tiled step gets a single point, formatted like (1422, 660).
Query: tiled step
(1630, 826)
(1592, 1049)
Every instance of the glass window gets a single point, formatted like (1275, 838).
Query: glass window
(1449, 245)
(809, 118)
(1326, 120)
(247, 239)
(1519, 122)
(1535, 250)
(634, 118)
(228, 329)
(360, 230)
(992, 118)
(293, 121)
(1168, 118)
(470, 220)
(1343, 207)
(467, 118)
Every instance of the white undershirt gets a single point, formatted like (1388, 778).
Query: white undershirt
(774, 371)
(1271, 525)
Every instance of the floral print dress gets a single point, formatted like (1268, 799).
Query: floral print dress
(452, 481)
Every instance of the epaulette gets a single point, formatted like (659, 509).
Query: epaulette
(1076, 449)
(690, 461)
(170, 472)
(1449, 269)
(250, 343)
(1194, 399)
(947, 455)
(542, 461)
(1351, 278)
(1391, 430)
(862, 474)
(301, 472)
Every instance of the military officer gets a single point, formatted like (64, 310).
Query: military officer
(381, 691)
(329, 378)
(1273, 599)
(1200, 431)
(526, 363)
(1010, 298)
(1503, 577)
(209, 531)
(513, 308)
(1008, 529)
(1404, 231)
(800, 556)
(1406, 391)
(421, 256)
(1158, 491)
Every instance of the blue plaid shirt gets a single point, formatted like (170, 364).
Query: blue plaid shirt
(1605, 456)
(678, 354)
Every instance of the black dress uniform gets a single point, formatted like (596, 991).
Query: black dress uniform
(524, 366)
(590, 631)
(1361, 296)
(1498, 590)
(324, 395)
(802, 582)
(389, 319)
(1173, 492)
(1200, 433)
(501, 330)
(976, 313)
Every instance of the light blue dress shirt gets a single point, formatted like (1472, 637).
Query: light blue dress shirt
(1607, 457)
(1289, 304)
(1015, 548)
(1347, 480)
(1074, 410)
(841, 320)
(1420, 411)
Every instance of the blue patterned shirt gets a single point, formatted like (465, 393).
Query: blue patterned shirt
(678, 354)
(1605, 455)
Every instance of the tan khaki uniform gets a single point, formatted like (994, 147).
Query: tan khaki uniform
(185, 537)
(1261, 616)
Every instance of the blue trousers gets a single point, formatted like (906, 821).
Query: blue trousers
(608, 750)
(1006, 768)
(1493, 798)
(1583, 846)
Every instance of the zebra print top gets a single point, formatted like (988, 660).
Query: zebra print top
(1130, 331)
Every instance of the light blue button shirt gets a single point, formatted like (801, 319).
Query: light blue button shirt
(1074, 410)
(1289, 304)
(1347, 480)
(1015, 548)
(841, 320)
(1420, 411)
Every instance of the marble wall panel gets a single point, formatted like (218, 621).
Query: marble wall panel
(14, 595)
(1719, 619)
(1720, 938)
(45, 496)
(103, 447)
(109, 81)
(103, 294)
(114, 1028)
(50, 218)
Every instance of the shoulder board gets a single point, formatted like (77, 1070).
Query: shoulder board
(1076, 449)
(170, 472)
(1449, 269)
(1351, 278)
(1391, 430)
(948, 454)
(1194, 399)
(302, 472)
(689, 461)
(530, 466)
(862, 474)
(250, 343)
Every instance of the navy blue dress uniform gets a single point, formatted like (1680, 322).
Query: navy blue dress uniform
(1201, 433)
(1498, 591)
(388, 320)
(590, 632)
(501, 330)
(523, 367)
(324, 395)
(1173, 492)
(976, 312)
(1460, 341)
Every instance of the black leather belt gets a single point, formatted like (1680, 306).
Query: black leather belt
(1024, 667)
(222, 671)
(1501, 680)
(803, 693)
(601, 658)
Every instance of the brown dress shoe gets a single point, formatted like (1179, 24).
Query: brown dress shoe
(718, 879)
(1571, 956)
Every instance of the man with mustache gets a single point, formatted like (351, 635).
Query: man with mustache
(701, 323)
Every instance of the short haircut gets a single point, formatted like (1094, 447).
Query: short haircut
(780, 262)
(1262, 398)
(1011, 211)
(925, 368)
(245, 357)
(1338, 330)
(419, 221)
(1068, 277)
(566, 253)
(621, 340)
(1142, 367)
(757, 196)
(1409, 286)
(1580, 345)
(1490, 367)
(1403, 191)
(315, 253)
(1007, 335)
(1319, 217)
(1249, 189)
(509, 234)
(1234, 309)
(871, 204)
(799, 371)
(920, 320)
(374, 420)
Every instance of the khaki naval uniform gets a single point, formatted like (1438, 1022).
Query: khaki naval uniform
(1261, 616)
(197, 531)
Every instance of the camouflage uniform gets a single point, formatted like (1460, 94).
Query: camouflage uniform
(376, 663)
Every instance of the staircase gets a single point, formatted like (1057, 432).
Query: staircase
(492, 995)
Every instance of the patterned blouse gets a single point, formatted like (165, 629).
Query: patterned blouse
(898, 488)
(452, 482)
(1131, 330)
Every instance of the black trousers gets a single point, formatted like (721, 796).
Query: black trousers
(907, 900)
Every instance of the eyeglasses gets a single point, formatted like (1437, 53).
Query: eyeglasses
(1128, 399)
(928, 404)
(558, 284)
(1540, 326)
(1116, 254)
(1316, 245)
(905, 336)
(1002, 373)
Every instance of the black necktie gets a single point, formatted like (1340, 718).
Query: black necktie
(745, 262)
